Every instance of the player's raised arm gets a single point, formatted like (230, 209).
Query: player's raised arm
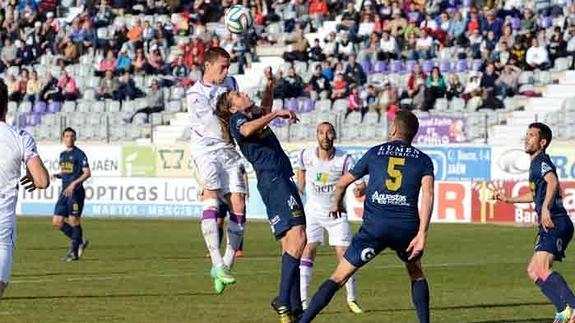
(268, 95)
(340, 189)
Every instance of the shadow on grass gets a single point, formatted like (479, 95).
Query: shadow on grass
(534, 320)
(56, 297)
(84, 273)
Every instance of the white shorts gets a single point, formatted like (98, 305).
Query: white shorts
(338, 230)
(7, 239)
(221, 170)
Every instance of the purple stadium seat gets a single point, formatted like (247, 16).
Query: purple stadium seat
(476, 65)
(409, 65)
(461, 66)
(445, 66)
(366, 66)
(395, 67)
(427, 66)
(292, 105)
(54, 107)
(22, 120)
(546, 22)
(515, 23)
(467, 3)
(39, 107)
(380, 67)
(34, 119)
(278, 122)
(307, 105)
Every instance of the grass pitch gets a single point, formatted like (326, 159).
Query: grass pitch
(156, 271)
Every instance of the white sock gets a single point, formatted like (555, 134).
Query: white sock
(210, 232)
(235, 234)
(305, 273)
(350, 289)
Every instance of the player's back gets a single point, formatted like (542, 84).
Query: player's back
(395, 170)
(206, 131)
(15, 147)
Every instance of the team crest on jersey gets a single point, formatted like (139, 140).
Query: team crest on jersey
(292, 202)
(559, 245)
(322, 177)
(545, 168)
(367, 254)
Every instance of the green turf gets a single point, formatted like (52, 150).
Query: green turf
(156, 271)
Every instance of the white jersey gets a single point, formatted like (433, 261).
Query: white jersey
(320, 178)
(206, 131)
(16, 147)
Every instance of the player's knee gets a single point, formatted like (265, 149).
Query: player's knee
(415, 271)
(211, 207)
(57, 223)
(535, 271)
(238, 203)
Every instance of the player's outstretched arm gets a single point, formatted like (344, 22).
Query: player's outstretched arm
(252, 127)
(36, 174)
(525, 198)
(417, 245)
(340, 189)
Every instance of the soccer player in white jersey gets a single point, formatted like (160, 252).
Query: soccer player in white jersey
(218, 164)
(16, 147)
(318, 172)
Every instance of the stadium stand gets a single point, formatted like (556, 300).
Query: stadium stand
(500, 64)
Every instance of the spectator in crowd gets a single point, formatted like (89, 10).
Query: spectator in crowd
(354, 72)
(387, 101)
(318, 12)
(354, 103)
(13, 85)
(489, 78)
(349, 21)
(123, 63)
(8, 54)
(33, 88)
(107, 63)
(416, 86)
(571, 45)
(454, 87)
(339, 87)
(369, 97)
(68, 86)
(316, 52)
(108, 86)
(70, 51)
(345, 47)
(51, 91)
(139, 63)
(330, 45)
(508, 82)
(154, 99)
(328, 71)
(179, 70)
(104, 16)
(537, 56)
(371, 50)
(293, 86)
(300, 48)
(127, 88)
(24, 54)
(389, 47)
(501, 56)
(239, 53)
(155, 62)
(435, 88)
(557, 45)
(320, 87)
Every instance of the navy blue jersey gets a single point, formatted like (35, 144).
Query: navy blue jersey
(71, 164)
(262, 150)
(395, 171)
(540, 166)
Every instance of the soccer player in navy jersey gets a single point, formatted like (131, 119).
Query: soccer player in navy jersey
(74, 170)
(248, 125)
(391, 219)
(555, 226)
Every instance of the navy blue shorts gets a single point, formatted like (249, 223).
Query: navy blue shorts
(555, 240)
(70, 206)
(283, 204)
(222, 210)
(368, 243)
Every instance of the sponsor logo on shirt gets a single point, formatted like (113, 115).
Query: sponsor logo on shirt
(389, 199)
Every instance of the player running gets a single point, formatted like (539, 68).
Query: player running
(74, 170)
(17, 147)
(218, 164)
(555, 226)
(319, 170)
(262, 149)
(397, 172)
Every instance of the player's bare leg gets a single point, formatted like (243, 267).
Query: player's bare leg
(419, 289)
(349, 285)
(306, 270)
(209, 227)
(327, 290)
(288, 301)
(236, 225)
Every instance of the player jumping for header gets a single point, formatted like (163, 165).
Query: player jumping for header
(397, 172)
(74, 170)
(274, 173)
(555, 226)
(319, 170)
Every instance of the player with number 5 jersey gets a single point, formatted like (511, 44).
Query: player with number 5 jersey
(392, 219)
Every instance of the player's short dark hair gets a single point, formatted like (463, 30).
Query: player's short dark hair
(407, 124)
(327, 123)
(3, 99)
(214, 53)
(544, 132)
(69, 129)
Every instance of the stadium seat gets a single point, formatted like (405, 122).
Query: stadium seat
(457, 104)
(174, 106)
(380, 67)
(40, 107)
(84, 106)
(395, 66)
(340, 106)
(441, 104)
(25, 107)
(323, 105)
(526, 77)
(561, 64)
(156, 119)
(409, 66)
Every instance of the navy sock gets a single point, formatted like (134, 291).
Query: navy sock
(67, 230)
(289, 267)
(320, 300)
(295, 295)
(561, 289)
(220, 235)
(76, 238)
(420, 298)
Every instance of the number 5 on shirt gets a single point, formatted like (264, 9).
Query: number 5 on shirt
(393, 182)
